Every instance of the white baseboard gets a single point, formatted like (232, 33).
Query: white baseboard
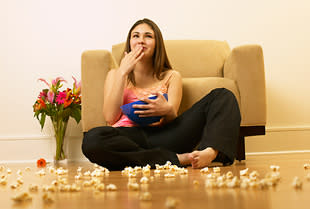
(280, 139)
(278, 153)
(29, 148)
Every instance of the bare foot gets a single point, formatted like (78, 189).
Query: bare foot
(203, 158)
(184, 158)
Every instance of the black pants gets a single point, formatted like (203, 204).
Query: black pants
(214, 121)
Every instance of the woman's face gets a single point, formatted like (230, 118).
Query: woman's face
(143, 35)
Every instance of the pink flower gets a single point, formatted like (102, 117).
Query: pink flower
(54, 82)
(43, 80)
(42, 95)
(61, 97)
(76, 87)
(50, 97)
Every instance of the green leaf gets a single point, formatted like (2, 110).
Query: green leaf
(76, 114)
(42, 120)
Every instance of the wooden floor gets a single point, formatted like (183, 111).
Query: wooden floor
(180, 188)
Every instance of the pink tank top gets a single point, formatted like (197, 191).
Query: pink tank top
(133, 93)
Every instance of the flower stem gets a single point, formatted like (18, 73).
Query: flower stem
(60, 127)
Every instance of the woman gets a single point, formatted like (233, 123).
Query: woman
(211, 125)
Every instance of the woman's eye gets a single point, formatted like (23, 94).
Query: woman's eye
(135, 36)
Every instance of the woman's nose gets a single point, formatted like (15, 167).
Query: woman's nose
(141, 40)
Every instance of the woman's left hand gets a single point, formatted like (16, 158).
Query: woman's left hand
(154, 107)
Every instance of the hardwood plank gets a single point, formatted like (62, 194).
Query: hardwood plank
(181, 188)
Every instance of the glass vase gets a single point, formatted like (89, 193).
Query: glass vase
(60, 127)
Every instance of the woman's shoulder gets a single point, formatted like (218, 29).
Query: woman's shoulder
(171, 73)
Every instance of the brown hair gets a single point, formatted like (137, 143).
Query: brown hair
(160, 58)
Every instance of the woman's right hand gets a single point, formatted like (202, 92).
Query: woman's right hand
(130, 60)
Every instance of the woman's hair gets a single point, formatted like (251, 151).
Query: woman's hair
(160, 58)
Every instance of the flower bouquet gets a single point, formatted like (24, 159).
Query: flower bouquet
(59, 106)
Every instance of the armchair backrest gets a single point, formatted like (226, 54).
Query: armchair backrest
(192, 58)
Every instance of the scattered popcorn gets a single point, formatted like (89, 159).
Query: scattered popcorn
(49, 188)
(196, 183)
(95, 181)
(78, 177)
(275, 168)
(62, 180)
(96, 165)
(97, 173)
(79, 170)
(100, 187)
(144, 180)
(146, 170)
(245, 183)
(3, 181)
(157, 172)
(229, 175)
(14, 186)
(297, 183)
(183, 171)
(87, 183)
(171, 202)
(24, 196)
(33, 188)
(61, 171)
(308, 177)
(254, 175)
(74, 188)
(204, 170)
(51, 169)
(20, 180)
(1, 168)
(216, 169)
(169, 175)
(233, 183)
(211, 176)
(111, 187)
(87, 173)
(159, 167)
(253, 184)
(47, 198)
(133, 186)
(167, 165)
(132, 175)
(41, 172)
(64, 188)
(146, 196)
(263, 184)
(54, 183)
(307, 166)
(244, 172)
(19, 172)
(9, 171)
(27, 169)
(210, 183)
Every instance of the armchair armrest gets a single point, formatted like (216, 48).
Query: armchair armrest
(95, 66)
(245, 65)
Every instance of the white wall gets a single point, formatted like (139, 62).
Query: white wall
(45, 39)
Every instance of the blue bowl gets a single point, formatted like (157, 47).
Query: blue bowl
(128, 110)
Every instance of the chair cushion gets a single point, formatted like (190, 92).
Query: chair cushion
(196, 88)
(192, 58)
(197, 58)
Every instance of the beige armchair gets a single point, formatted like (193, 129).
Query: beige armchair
(204, 65)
